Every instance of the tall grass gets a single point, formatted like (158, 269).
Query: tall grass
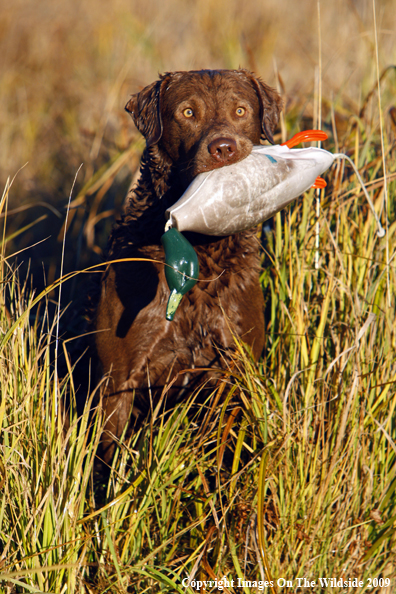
(288, 471)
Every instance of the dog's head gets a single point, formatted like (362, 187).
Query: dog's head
(206, 119)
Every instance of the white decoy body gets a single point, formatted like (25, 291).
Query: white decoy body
(237, 197)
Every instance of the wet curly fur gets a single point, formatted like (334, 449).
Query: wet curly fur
(192, 122)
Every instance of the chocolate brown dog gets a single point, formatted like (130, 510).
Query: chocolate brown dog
(192, 122)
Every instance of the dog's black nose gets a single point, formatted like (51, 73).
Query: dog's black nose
(222, 148)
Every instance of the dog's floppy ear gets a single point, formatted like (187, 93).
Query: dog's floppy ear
(271, 106)
(145, 110)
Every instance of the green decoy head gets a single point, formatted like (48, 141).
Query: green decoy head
(181, 268)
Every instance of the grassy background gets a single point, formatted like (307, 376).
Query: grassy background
(295, 471)
(67, 70)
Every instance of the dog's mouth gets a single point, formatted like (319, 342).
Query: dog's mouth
(213, 153)
(221, 152)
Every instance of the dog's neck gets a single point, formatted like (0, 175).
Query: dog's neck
(155, 174)
(158, 165)
(156, 189)
(158, 182)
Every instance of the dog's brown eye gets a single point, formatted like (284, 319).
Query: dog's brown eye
(240, 111)
(188, 113)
